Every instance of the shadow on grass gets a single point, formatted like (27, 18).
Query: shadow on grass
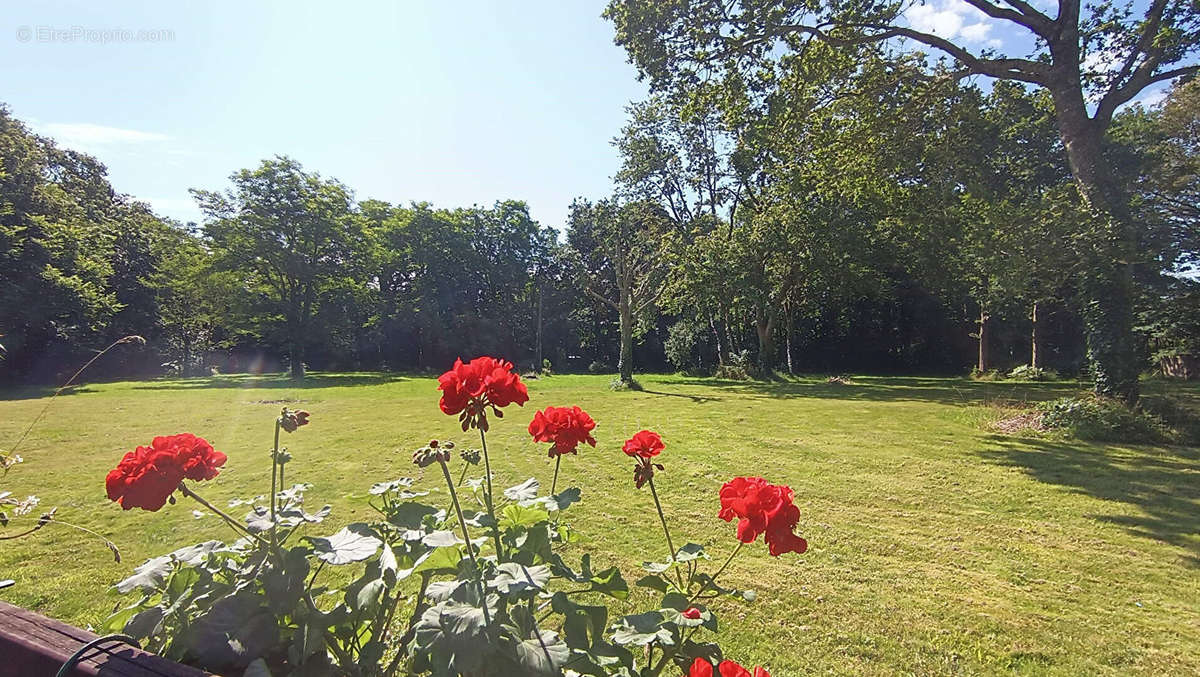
(38, 392)
(698, 399)
(947, 390)
(1159, 482)
(282, 381)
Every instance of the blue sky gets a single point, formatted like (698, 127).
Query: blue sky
(454, 103)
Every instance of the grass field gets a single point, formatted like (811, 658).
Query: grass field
(936, 547)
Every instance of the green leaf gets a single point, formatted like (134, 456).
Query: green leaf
(352, 544)
(412, 515)
(654, 582)
(151, 574)
(384, 487)
(564, 499)
(642, 629)
(512, 578)
(441, 560)
(524, 491)
(369, 596)
(610, 582)
(441, 539)
(544, 654)
(145, 623)
(454, 635)
(235, 631)
(517, 515)
(283, 583)
(583, 625)
(690, 552)
(674, 601)
(388, 565)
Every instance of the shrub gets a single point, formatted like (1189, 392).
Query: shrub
(600, 367)
(491, 592)
(986, 375)
(740, 368)
(1025, 372)
(1183, 421)
(1103, 419)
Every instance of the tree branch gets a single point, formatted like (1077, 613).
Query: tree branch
(1024, 70)
(1028, 17)
(1140, 80)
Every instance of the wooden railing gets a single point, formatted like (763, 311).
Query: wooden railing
(32, 645)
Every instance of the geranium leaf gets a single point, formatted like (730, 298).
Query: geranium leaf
(454, 635)
(542, 655)
(352, 544)
(384, 487)
(517, 515)
(441, 539)
(513, 578)
(654, 582)
(524, 491)
(151, 574)
(411, 515)
(565, 498)
(690, 552)
(641, 629)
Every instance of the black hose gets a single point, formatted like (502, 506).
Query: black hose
(78, 655)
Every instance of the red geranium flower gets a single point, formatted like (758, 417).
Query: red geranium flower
(762, 508)
(468, 389)
(702, 668)
(566, 427)
(147, 476)
(644, 444)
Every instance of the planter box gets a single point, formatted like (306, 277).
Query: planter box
(32, 645)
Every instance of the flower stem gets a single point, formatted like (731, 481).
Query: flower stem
(666, 532)
(186, 491)
(462, 523)
(487, 469)
(274, 465)
(713, 580)
(554, 484)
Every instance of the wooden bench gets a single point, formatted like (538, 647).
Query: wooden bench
(32, 645)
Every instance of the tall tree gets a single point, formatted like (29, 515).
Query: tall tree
(619, 252)
(1106, 53)
(292, 234)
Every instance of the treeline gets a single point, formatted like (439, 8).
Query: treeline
(903, 223)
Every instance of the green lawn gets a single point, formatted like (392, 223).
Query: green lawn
(936, 547)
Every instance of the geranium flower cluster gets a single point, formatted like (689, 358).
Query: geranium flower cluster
(702, 668)
(566, 427)
(146, 476)
(762, 508)
(644, 446)
(468, 389)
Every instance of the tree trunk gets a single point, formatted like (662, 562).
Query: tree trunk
(765, 328)
(296, 356)
(625, 363)
(540, 359)
(1035, 339)
(983, 341)
(1110, 247)
(722, 341)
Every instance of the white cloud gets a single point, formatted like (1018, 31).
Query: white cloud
(952, 19)
(1151, 98)
(90, 137)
